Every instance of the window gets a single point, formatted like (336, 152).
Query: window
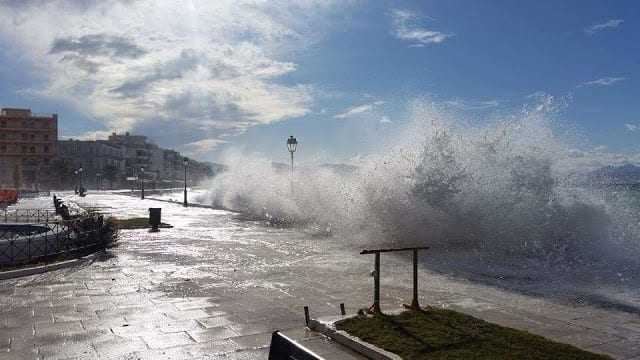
(24, 149)
(3, 124)
(3, 136)
(3, 148)
(46, 137)
(46, 149)
(32, 149)
(33, 137)
(24, 136)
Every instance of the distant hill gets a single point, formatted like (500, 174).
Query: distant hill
(624, 174)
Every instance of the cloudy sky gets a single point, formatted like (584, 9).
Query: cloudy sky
(202, 76)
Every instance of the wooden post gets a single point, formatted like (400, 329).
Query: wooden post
(306, 315)
(342, 311)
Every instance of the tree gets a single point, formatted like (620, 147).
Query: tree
(110, 172)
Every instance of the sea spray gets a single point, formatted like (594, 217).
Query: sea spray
(506, 189)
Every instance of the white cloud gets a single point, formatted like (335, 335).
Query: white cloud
(606, 81)
(607, 25)
(385, 120)
(355, 110)
(90, 135)
(405, 26)
(632, 127)
(201, 147)
(207, 68)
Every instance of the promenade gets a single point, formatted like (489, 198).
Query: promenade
(215, 286)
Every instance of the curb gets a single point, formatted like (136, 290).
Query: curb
(327, 327)
(11, 274)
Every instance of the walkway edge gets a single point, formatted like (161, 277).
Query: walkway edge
(11, 274)
(327, 327)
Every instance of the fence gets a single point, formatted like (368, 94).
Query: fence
(32, 215)
(44, 240)
(30, 194)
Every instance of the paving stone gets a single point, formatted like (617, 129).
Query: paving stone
(67, 350)
(215, 333)
(188, 314)
(258, 354)
(119, 348)
(181, 325)
(58, 328)
(251, 328)
(22, 354)
(216, 321)
(253, 341)
(162, 354)
(197, 303)
(133, 331)
(157, 341)
(213, 348)
(103, 323)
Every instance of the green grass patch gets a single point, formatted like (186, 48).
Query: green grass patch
(447, 334)
(135, 223)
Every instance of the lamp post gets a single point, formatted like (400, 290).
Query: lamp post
(81, 184)
(98, 181)
(185, 161)
(75, 187)
(292, 145)
(142, 181)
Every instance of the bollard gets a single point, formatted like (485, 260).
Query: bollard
(155, 215)
(306, 315)
(342, 311)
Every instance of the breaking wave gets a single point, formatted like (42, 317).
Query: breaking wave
(507, 189)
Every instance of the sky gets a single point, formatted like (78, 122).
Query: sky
(205, 76)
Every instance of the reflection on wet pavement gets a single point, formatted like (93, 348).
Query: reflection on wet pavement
(215, 286)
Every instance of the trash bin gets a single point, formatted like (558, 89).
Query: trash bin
(155, 217)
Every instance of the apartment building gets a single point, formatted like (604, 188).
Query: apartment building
(27, 147)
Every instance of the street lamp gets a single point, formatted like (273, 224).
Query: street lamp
(75, 188)
(81, 184)
(98, 181)
(142, 180)
(292, 144)
(185, 161)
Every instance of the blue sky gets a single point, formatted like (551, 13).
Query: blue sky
(337, 74)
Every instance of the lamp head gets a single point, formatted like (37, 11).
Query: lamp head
(292, 144)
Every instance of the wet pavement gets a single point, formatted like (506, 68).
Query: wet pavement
(215, 286)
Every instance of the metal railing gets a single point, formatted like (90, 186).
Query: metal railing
(375, 308)
(29, 194)
(22, 243)
(32, 215)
